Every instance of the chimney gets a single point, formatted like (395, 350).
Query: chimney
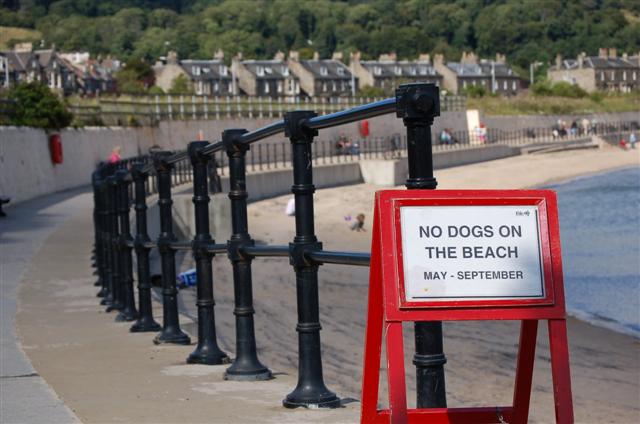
(337, 56)
(279, 56)
(354, 57)
(613, 53)
(294, 55)
(388, 57)
(500, 58)
(219, 54)
(172, 58)
(558, 61)
(316, 56)
(602, 53)
(469, 58)
(438, 59)
(23, 47)
(424, 58)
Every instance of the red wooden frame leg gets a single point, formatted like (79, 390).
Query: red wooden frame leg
(558, 346)
(524, 371)
(396, 374)
(373, 349)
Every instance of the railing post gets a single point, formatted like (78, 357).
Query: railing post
(246, 365)
(171, 332)
(97, 182)
(145, 320)
(311, 390)
(114, 250)
(105, 245)
(128, 312)
(207, 350)
(417, 105)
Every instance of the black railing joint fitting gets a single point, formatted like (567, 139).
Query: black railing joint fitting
(429, 361)
(298, 253)
(236, 246)
(232, 141)
(303, 189)
(194, 150)
(243, 311)
(294, 127)
(419, 103)
(308, 327)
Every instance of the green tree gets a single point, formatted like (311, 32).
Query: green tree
(135, 77)
(181, 85)
(37, 106)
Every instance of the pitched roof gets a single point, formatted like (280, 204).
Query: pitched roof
(206, 69)
(268, 69)
(467, 69)
(327, 69)
(395, 69)
(596, 62)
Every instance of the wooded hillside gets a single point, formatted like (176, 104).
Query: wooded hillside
(526, 31)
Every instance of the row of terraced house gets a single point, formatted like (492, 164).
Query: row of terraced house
(292, 77)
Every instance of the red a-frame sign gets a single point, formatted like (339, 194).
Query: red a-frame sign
(451, 255)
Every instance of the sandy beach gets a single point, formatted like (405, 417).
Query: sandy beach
(481, 355)
(605, 365)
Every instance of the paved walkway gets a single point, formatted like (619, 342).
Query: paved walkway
(102, 372)
(26, 397)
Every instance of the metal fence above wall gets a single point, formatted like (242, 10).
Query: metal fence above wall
(149, 110)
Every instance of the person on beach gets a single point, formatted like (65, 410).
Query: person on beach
(290, 210)
(358, 224)
(632, 139)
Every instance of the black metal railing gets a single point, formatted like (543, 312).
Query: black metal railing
(118, 186)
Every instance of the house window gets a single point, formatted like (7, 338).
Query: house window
(196, 70)
(224, 70)
(514, 85)
(340, 71)
(260, 71)
(413, 70)
(398, 70)
(266, 87)
(377, 70)
(279, 86)
(423, 70)
(464, 84)
(504, 85)
(324, 87)
(216, 87)
(613, 75)
(334, 86)
(324, 71)
(285, 71)
(624, 75)
(634, 75)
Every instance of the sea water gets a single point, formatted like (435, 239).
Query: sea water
(600, 234)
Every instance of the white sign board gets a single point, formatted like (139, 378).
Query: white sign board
(471, 253)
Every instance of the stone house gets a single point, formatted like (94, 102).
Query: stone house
(387, 72)
(266, 78)
(208, 77)
(606, 72)
(24, 64)
(495, 76)
(323, 77)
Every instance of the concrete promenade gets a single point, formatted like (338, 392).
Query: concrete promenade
(24, 394)
(99, 370)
